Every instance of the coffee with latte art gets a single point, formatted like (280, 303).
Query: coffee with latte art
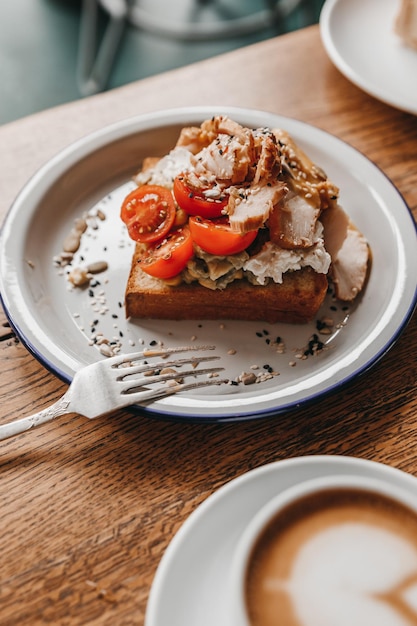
(341, 557)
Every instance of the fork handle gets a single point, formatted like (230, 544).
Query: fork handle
(60, 407)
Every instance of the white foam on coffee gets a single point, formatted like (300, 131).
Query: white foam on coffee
(340, 574)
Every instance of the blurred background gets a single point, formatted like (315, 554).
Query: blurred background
(56, 51)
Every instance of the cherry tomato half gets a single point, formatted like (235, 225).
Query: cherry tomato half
(169, 257)
(149, 213)
(195, 203)
(216, 237)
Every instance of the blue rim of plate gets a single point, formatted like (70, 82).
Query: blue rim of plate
(178, 116)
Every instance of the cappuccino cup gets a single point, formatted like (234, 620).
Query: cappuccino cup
(335, 551)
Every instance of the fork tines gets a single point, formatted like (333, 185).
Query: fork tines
(129, 366)
(162, 371)
(148, 353)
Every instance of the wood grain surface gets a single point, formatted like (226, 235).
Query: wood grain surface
(87, 508)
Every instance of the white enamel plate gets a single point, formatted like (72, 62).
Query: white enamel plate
(57, 323)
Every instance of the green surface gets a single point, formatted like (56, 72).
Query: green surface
(39, 42)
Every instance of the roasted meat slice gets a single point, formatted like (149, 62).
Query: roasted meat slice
(227, 159)
(292, 223)
(250, 208)
(195, 138)
(349, 251)
(302, 175)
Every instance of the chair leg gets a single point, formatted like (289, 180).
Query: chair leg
(95, 64)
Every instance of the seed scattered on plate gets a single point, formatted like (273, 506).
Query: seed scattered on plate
(106, 350)
(97, 267)
(325, 325)
(80, 225)
(78, 277)
(72, 241)
(248, 378)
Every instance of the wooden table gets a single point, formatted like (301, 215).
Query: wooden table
(88, 509)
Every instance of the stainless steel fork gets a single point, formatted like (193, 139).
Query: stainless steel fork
(121, 381)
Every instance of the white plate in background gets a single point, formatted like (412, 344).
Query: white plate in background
(359, 38)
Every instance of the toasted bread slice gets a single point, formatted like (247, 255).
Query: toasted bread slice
(296, 300)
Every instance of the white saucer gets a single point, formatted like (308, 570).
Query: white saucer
(360, 40)
(190, 585)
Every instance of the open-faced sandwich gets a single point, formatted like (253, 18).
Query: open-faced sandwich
(238, 223)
